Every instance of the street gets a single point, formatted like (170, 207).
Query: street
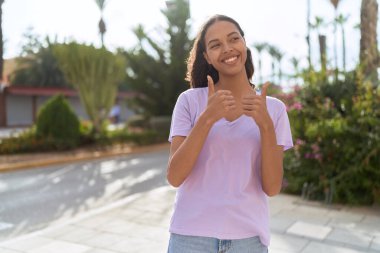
(35, 199)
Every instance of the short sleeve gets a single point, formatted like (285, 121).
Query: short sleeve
(282, 129)
(181, 118)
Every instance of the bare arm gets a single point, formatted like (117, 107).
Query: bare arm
(184, 151)
(271, 153)
(271, 161)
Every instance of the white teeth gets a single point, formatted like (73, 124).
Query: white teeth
(229, 60)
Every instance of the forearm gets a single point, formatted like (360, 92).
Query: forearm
(182, 161)
(272, 159)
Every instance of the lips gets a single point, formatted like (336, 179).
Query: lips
(230, 60)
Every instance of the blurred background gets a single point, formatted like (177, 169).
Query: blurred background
(80, 73)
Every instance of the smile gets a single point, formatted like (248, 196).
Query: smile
(230, 60)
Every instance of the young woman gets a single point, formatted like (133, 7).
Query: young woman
(227, 145)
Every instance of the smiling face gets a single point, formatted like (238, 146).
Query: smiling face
(225, 48)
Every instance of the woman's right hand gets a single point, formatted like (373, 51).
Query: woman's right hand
(219, 102)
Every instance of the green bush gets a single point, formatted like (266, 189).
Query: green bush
(58, 123)
(336, 128)
(161, 125)
(138, 121)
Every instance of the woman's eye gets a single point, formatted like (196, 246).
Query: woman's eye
(214, 46)
(235, 38)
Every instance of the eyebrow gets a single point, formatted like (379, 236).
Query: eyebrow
(228, 35)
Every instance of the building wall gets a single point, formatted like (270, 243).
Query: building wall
(19, 109)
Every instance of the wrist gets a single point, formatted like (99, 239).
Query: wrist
(206, 119)
(266, 127)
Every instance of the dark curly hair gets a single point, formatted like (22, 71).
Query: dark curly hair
(197, 66)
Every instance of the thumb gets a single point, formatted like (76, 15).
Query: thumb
(211, 86)
(264, 89)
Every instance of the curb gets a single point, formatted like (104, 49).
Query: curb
(42, 160)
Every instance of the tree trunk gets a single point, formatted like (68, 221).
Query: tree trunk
(369, 55)
(322, 52)
(336, 70)
(308, 35)
(1, 41)
(344, 49)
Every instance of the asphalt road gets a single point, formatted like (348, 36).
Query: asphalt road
(35, 199)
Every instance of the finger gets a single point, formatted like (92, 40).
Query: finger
(249, 97)
(229, 103)
(211, 86)
(264, 90)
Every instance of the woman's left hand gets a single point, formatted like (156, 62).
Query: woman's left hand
(255, 106)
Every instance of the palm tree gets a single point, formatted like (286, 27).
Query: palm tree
(3, 119)
(308, 35)
(322, 43)
(259, 48)
(102, 25)
(369, 55)
(335, 3)
(295, 62)
(95, 73)
(278, 56)
(1, 41)
(272, 52)
(341, 20)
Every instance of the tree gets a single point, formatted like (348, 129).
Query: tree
(37, 66)
(341, 20)
(259, 48)
(295, 63)
(322, 44)
(278, 56)
(1, 41)
(369, 55)
(272, 51)
(308, 35)
(102, 25)
(156, 70)
(96, 74)
(335, 3)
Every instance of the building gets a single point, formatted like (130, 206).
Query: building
(19, 105)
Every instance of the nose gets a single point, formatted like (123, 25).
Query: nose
(227, 48)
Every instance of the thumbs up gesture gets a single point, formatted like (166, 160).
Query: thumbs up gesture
(255, 106)
(219, 102)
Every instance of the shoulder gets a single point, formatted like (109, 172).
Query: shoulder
(192, 96)
(195, 92)
(275, 104)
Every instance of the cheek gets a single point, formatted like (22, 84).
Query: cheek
(244, 56)
(213, 56)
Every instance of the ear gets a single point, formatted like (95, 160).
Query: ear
(206, 57)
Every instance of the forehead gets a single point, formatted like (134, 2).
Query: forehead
(220, 29)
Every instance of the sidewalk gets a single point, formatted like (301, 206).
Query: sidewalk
(139, 224)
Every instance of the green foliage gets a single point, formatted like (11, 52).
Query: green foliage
(145, 137)
(96, 74)
(28, 142)
(337, 149)
(38, 67)
(56, 121)
(157, 70)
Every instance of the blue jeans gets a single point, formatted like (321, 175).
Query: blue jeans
(199, 244)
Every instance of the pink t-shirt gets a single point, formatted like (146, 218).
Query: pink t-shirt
(223, 197)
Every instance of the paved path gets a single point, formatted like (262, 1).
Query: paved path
(139, 224)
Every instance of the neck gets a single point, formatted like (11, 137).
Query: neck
(238, 85)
